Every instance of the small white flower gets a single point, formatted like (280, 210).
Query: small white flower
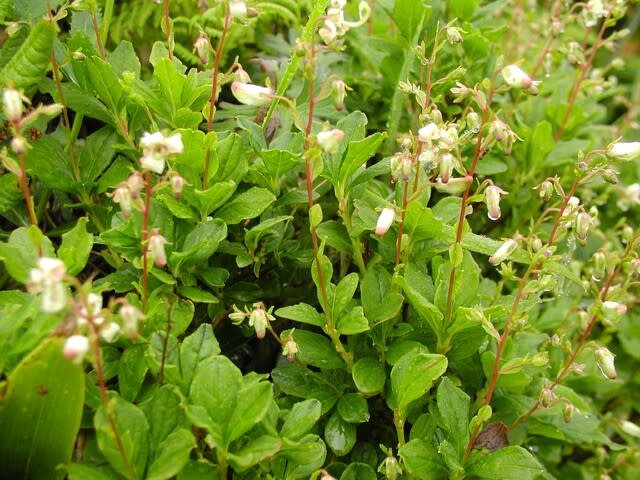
(624, 151)
(613, 310)
(156, 148)
(47, 280)
(446, 168)
(492, 199)
(385, 220)
(630, 428)
(259, 319)
(249, 94)
(75, 348)
(238, 9)
(122, 196)
(330, 140)
(515, 77)
(130, 318)
(428, 133)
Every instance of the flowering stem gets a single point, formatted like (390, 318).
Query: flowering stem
(405, 187)
(167, 28)
(25, 190)
(582, 339)
(95, 345)
(479, 152)
(583, 73)
(145, 240)
(214, 93)
(309, 169)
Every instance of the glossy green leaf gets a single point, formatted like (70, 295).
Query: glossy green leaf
(301, 418)
(422, 460)
(75, 247)
(197, 347)
(302, 313)
(509, 462)
(369, 375)
(254, 452)
(339, 434)
(353, 408)
(172, 455)
(317, 350)
(413, 375)
(246, 205)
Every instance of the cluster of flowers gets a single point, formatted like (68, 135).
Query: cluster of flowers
(87, 312)
(336, 26)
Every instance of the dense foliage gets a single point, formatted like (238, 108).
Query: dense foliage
(319, 239)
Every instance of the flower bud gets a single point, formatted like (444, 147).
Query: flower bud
(75, 348)
(612, 311)
(609, 175)
(630, 428)
(428, 133)
(599, 266)
(328, 33)
(338, 93)
(259, 319)
(492, 199)
(504, 252)
(547, 397)
(250, 94)
(238, 9)
(624, 151)
(130, 318)
(446, 167)
(12, 104)
(515, 77)
(581, 227)
(177, 184)
(546, 190)
(19, 144)
(605, 362)
(156, 245)
(568, 411)
(122, 196)
(473, 121)
(330, 140)
(202, 47)
(385, 220)
(110, 331)
(454, 186)
(135, 184)
(391, 468)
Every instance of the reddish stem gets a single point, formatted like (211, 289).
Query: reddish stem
(214, 93)
(145, 240)
(576, 87)
(25, 190)
(405, 187)
(94, 23)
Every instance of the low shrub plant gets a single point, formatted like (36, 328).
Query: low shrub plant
(319, 239)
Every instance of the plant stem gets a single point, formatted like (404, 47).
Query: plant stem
(107, 14)
(145, 240)
(399, 424)
(167, 28)
(582, 339)
(95, 345)
(405, 187)
(214, 93)
(65, 118)
(25, 190)
(94, 23)
(576, 86)
(355, 242)
(465, 196)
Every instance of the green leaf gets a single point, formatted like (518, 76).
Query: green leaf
(124, 59)
(131, 371)
(247, 205)
(49, 162)
(96, 155)
(198, 295)
(540, 143)
(463, 9)
(379, 302)
(201, 242)
(302, 313)
(423, 307)
(105, 83)
(229, 154)
(344, 292)
(165, 415)
(353, 408)
(84, 471)
(214, 197)
(214, 389)
(339, 435)
(358, 471)
(508, 462)
(413, 375)
(133, 429)
(565, 152)
(254, 452)
(75, 247)
(251, 406)
(172, 455)
(423, 461)
(20, 254)
(352, 322)
(357, 154)
(199, 470)
(253, 236)
(453, 409)
(302, 417)
(409, 15)
(40, 414)
(197, 347)
(317, 350)
(298, 381)
(369, 375)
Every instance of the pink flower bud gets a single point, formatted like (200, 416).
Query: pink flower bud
(613, 310)
(259, 319)
(75, 348)
(290, 348)
(330, 140)
(338, 93)
(515, 77)
(238, 9)
(385, 220)
(492, 199)
(202, 47)
(12, 104)
(19, 144)
(109, 332)
(135, 184)
(130, 318)
(504, 252)
(177, 184)
(446, 168)
(122, 196)
(156, 248)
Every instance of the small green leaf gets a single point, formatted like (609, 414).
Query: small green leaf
(453, 408)
(246, 205)
(353, 408)
(302, 313)
(423, 461)
(75, 247)
(509, 462)
(254, 452)
(172, 455)
(413, 375)
(358, 471)
(302, 417)
(315, 349)
(352, 322)
(197, 347)
(369, 375)
(251, 405)
(339, 435)
(198, 295)
(131, 371)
